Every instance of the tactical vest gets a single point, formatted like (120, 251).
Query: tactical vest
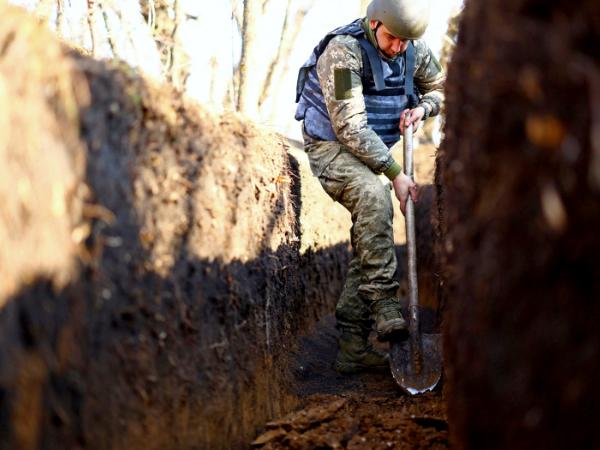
(388, 89)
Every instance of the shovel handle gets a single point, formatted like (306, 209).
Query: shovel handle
(412, 253)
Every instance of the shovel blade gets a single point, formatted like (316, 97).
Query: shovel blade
(412, 377)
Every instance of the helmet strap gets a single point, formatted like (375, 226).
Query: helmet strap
(372, 37)
(372, 33)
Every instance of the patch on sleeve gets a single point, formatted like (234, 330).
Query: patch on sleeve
(343, 84)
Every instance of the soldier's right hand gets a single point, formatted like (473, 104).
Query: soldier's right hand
(411, 116)
(403, 186)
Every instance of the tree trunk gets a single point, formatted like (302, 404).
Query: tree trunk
(178, 71)
(60, 17)
(249, 89)
(280, 65)
(109, 31)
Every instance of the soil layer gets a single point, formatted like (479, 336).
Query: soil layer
(157, 263)
(154, 272)
(519, 224)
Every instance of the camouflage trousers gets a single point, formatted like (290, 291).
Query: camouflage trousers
(371, 274)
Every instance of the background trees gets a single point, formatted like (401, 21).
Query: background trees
(237, 55)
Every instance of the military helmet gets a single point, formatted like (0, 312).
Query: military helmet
(406, 19)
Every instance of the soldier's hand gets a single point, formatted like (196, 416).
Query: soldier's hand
(413, 116)
(403, 185)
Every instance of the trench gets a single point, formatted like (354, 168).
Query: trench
(361, 411)
(366, 410)
(160, 268)
(166, 268)
(167, 275)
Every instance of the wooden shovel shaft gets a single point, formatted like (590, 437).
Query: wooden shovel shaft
(413, 310)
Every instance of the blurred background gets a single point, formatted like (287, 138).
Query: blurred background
(199, 46)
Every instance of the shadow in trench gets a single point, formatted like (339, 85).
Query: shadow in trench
(125, 357)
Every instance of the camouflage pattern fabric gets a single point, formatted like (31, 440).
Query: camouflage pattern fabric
(348, 114)
(368, 197)
(348, 171)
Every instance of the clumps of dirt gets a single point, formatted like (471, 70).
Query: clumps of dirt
(520, 218)
(361, 422)
(362, 411)
(240, 190)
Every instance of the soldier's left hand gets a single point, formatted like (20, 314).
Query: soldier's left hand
(403, 187)
(413, 116)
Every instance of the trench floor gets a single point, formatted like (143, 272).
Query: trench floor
(363, 411)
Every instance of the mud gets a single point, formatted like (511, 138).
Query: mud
(519, 221)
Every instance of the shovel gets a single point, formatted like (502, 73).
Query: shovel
(416, 362)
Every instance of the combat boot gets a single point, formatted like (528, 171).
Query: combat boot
(389, 322)
(356, 354)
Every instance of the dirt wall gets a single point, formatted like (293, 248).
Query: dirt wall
(154, 273)
(37, 187)
(519, 220)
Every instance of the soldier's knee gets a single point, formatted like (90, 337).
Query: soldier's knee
(377, 197)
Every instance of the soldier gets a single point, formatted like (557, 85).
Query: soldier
(363, 83)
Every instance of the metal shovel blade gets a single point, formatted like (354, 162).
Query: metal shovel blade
(417, 372)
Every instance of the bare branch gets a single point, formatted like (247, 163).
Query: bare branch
(214, 66)
(178, 68)
(237, 14)
(109, 32)
(248, 92)
(60, 17)
(276, 61)
(229, 101)
(91, 6)
(288, 41)
(265, 5)
(151, 14)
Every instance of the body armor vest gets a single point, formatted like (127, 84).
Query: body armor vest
(388, 89)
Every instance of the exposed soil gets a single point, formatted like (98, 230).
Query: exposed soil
(520, 220)
(368, 410)
(362, 411)
(165, 275)
(157, 263)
